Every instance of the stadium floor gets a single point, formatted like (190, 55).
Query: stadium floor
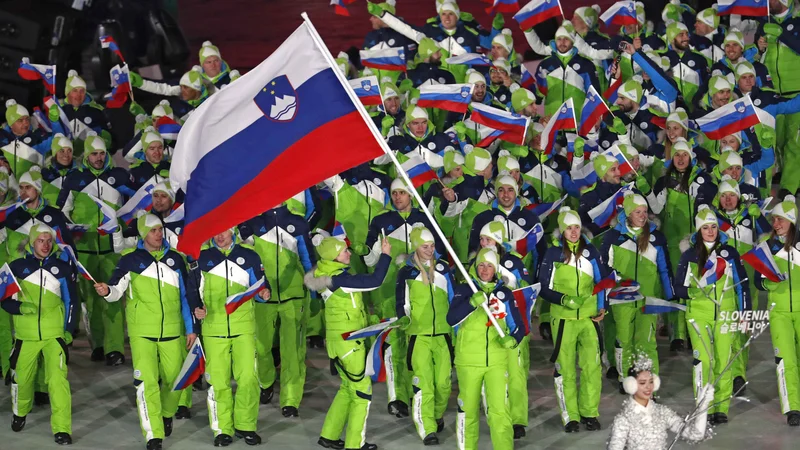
(104, 410)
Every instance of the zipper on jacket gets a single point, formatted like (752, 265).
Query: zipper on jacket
(433, 303)
(41, 283)
(578, 283)
(791, 299)
(486, 352)
(160, 298)
(227, 293)
(277, 254)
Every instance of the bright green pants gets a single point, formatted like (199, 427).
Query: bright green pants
(287, 317)
(25, 362)
(430, 365)
(153, 360)
(785, 330)
(519, 364)
(788, 150)
(236, 357)
(577, 342)
(492, 382)
(6, 342)
(105, 318)
(636, 334)
(708, 367)
(350, 406)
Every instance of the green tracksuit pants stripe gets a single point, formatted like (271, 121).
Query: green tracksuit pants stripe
(105, 318)
(636, 334)
(350, 406)
(785, 330)
(577, 342)
(226, 357)
(25, 363)
(519, 364)
(492, 381)
(705, 365)
(287, 318)
(151, 358)
(430, 364)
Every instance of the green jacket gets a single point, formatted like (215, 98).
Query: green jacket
(784, 294)
(574, 278)
(425, 301)
(782, 56)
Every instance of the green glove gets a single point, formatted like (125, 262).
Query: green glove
(579, 144)
(53, 114)
(360, 249)
(403, 322)
(498, 22)
(508, 341)
(27, 309)
(773, 29)
(316, 307)
(754, 211)
(572, 302)
(67, 337)
(695, 292)
(461, 130)
(767, 137)
(136, 79)
(770, 285)
(405, 85)
(386, 124)
(618, 127)
(136, 109)
(477, 299)
(374, 319)
(643, 184)
(374, 9)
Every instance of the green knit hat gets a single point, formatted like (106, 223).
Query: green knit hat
(427, 47)
(32, 177)
(680, 117)
(506, 162)
(162, 109)
(74, 81)
(208, 49)
(94, 143)
(632, 90)
(37, 230)
(15, 111)
(475, 77)
(419, 236)
(680, 145)
(477, 160)
(632, 201)
(718, 83)
(487, 255)
(147, 222)
(709, 17)
(734, 36)
(704, 216)
(452, 159)
(193, 79)
(673, 30)
(786, 209)
(602, 163)
(414, 113)
(589, 15)
(506, 180)
(388, 6)
(728, 184)
(330, 248)
(564, 31)
(389, 90)
(166, 188)
(495, 231)
(566, 217)
(743, 68)
(150, 135)
(502, 63)
(629, 151)
(728, 160)
(59, 141)
(343, 61)
(521, 98)
(505, 40)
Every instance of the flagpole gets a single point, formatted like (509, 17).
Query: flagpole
(385, 147)
(129, 81)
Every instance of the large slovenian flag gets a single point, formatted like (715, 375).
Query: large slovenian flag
(620, 13)
(393, 58)
(469, 59)
(449, 97)
(503, 6)
(514, 126)
(293, 108)
(418, 170)
(233, 302)
(367, 90)
(563, 120)
(536, 12)
(543, 210)
(734, 117)
(713, 270)
(603, 213)
(193, 367)
(109, 43)
(625, 166)
(8, 283)
(168, 128)
(372, 330)
(142, 200)
(33, 72)
(108, 220)
(594, 108)
(654, 305)
(760, 258)
(376, 369)
(754, 8)
(525, 300)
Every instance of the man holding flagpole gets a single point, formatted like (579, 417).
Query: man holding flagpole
(152, 277)
(228, 267)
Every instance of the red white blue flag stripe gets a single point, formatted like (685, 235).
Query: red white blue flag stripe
(109, 43)
(193, 367)
(33, 72)
(108, 222)
(754, 8)
(372, 330)
(376, 369)
(470, 59)
(594, 108)
(418, 170)
(713, 270)
(654, 305)
(736, 116)
(384, 59)
(233, 302)
(761, 259)
(525, 299)
(168, 128)
(8, 283)
(142, 200)
(620, 13)
(513, 125)
(625, 166)
(543, 210)
(503, 6)
(608, 282)
(563, 120)
(450, 97)
(367, 90)
(536, 12)
(603, 213)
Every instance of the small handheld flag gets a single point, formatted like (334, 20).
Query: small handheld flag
(233, 302)
(83, 272)
(563, 120)
(529, 241)
(109, 43)
(367, 90)
(339, 7)
(513, 125)
(625, 166)
(384, 59)
(526, 79)
(713, 270)
(469, 59)
(6, 210)
(525, 300)
(193, 367)
(654, 305)
(33, 72)
(503, 6)
(760, 258)
(736, 116)
(536, 12)
(603, 213)
(753, 8)
(594, 108)
(376, 368)
(108, 223)
(543, 210)
(620, 13)
(120, 79)
(142, 200)
(609, 282)
(8, 283)
(449, 97)
(372, 330)
(418, 170)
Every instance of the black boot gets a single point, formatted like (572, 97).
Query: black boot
(98, 354)
(289, 411)
(266, 395)
(198, 385)
(612, 373)
(431, 439)
(591, 423)
(366, 446)
(793, 418)
(676, 345)
(439, 425)
(572, 427)
(276, 356)
(328, 443)
(720, 418)
(17, 423)
(663, 331)
(621, 388)
(250, 437)
(739, 383)
(710, 419)
(154, 444)
(398, 409)
(316, 342)
(115, 359)
(41, 398)
(183, 413)
(545, 332)
(63, 439)
(222, 440)
(519, 431)
(167, 426)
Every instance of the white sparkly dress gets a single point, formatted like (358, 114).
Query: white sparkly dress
(639, 427)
